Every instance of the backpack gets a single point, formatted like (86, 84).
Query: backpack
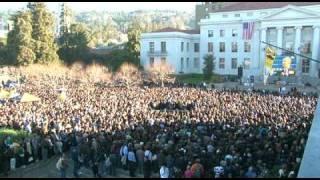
(197, 173)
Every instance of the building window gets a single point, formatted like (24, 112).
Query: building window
(182, 44)
(288, 38)
(234, 47)
(221, 63)
(272, 36)
(222, 47)
(187, 63)
(237, 15)
(225, 15)
(234, 33)
(151, 61)
(207, 9)
(247, 47)
(210, 47)
(151, 47)
(196, 63)
(163, 47)
(187, 47)
(221, 33)
(250, 14)
(246, 63)
(163, 60)
(196, 47)
(182, 64)
(210, 33)
(305, 66)
(234, 63)
(306, 40)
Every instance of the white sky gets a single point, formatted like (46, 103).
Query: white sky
(108, 6)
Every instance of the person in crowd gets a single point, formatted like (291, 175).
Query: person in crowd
(230, 132)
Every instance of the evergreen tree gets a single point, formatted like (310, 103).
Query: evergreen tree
(66, 18)
(19, 42)
(44, 47)
(208, 66)
(133, 44)
(73, 44)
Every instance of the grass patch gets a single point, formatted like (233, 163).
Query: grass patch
(197, 78)
(16, 135)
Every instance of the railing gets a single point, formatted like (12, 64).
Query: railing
(157, 53)
(310, 164)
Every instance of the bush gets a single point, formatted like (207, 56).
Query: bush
(16, 135)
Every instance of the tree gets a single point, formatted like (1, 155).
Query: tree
(74, 44)
(159, 72)
(44, 48)
(19, 42)
(133, 45)
(96, 73)
(66, 18)
(129, 74)
(208, 66)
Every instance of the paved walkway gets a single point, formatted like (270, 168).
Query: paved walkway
(47, 169)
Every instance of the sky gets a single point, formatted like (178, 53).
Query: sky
(108, 6)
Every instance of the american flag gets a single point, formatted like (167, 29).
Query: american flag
(248, 30)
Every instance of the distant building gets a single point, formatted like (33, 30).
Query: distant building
(291, 25)
(204, 8)
(5, 27)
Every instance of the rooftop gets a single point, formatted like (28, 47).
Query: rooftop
(240, 6)
(191, 31)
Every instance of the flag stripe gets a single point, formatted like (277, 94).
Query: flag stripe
(248, 28)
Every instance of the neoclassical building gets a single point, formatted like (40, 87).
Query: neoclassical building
(290, 25)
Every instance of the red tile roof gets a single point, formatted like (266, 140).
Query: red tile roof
(191, 31)
(262, 5)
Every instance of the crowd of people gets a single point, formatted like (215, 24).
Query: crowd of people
(222, 134)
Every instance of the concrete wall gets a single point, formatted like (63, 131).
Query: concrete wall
(310, 164)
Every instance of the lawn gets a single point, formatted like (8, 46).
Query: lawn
(197, 78)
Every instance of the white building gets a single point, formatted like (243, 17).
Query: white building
(291, 25)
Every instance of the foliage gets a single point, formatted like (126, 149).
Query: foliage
(129, 74)
(19, 42)
(73, 44)
(115, 59)
(96, 73)
(208, 66)
(133, 45)
(16, 135)
(160, 72)
(43, 24)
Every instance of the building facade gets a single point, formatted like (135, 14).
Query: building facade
(294, 26)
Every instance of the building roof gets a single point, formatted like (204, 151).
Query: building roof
(191, 31)
(240, 6)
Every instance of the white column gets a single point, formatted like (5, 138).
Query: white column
(297, 44)
(279, 39)
(263, 38)
(315, 49)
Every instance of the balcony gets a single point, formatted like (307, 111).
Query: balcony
(157, 53)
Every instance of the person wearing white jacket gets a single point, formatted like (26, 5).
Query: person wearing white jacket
(164, 172)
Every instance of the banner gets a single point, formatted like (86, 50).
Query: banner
(62, 96)
(270, 55)
(29, 98)
(4, 94)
